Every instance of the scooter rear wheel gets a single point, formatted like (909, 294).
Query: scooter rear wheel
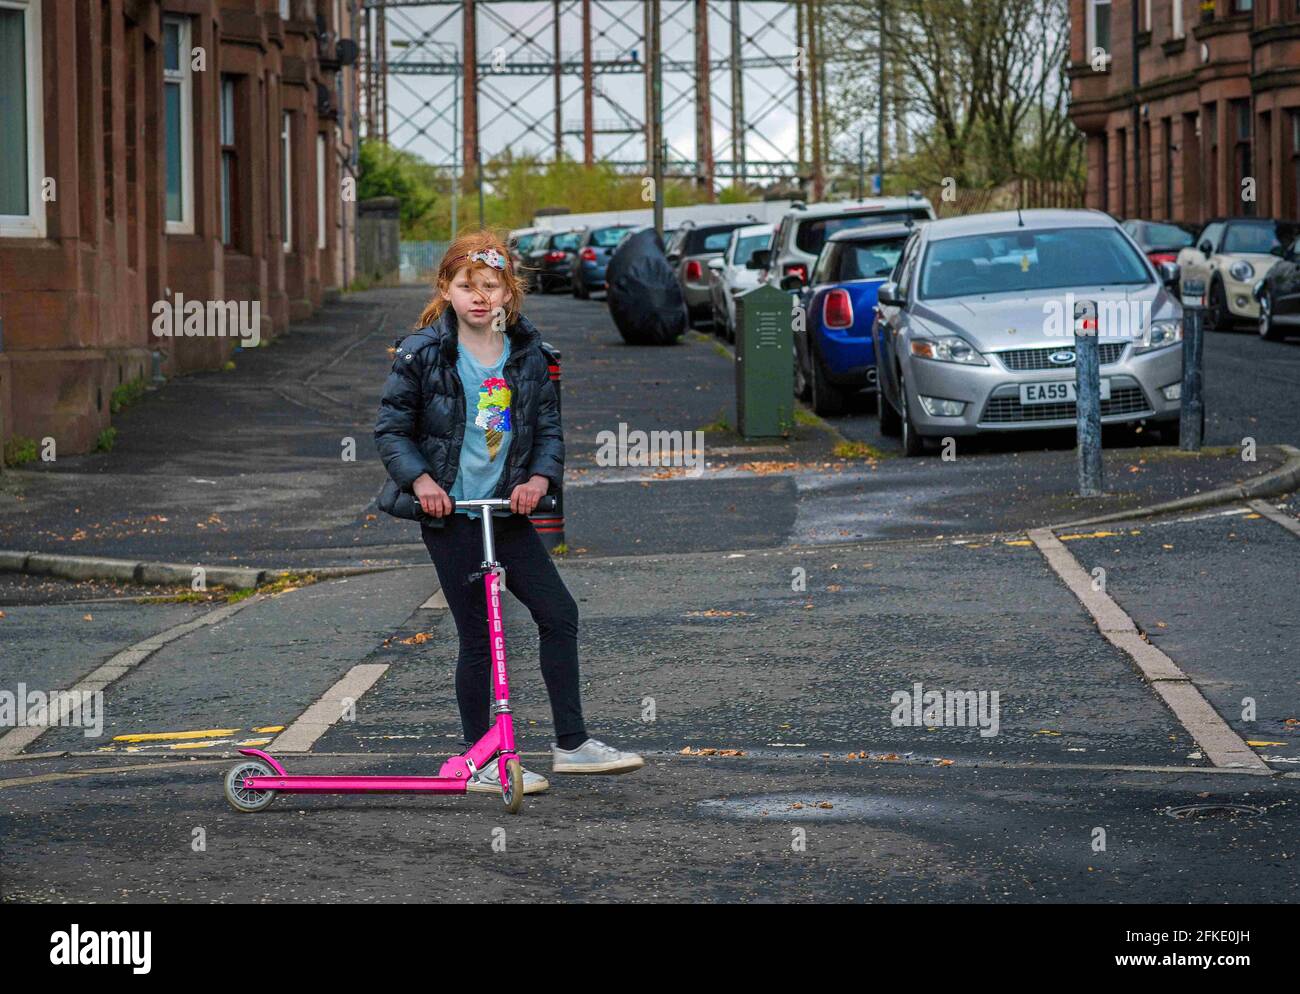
(512, 787)
(239, 796)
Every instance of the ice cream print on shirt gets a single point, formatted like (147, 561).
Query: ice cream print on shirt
(493, 413)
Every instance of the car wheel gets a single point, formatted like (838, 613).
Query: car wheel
(1216, 310)
(802, 388)
(913, 441)
(827, 398)
(890, 423)
(1268, 329)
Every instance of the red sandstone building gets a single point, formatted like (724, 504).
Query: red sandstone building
(150, 148)
(1217, 104)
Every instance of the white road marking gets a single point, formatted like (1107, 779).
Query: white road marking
(18, 739)
(437, 601)
(1288, 522)
(1221, 745)
(317, 719)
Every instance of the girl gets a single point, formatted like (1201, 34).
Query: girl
(469, 411)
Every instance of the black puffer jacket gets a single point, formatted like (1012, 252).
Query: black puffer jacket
(421, 420)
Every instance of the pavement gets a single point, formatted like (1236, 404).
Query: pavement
(752, 631)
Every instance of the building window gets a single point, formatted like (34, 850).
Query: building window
(1210, 142)
(1243, 6)
(1123, 172)
(1146, 15)
(284, 10)
(178, 106)
(22, 153)
(1169, 168)
(321, 147)
(229, 165)
(1105, 172)
(1176, 24)
(1099, 27)
(286, 178)
(1242, 168)
(1294, 207)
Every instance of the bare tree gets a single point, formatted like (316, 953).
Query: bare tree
(982, 82)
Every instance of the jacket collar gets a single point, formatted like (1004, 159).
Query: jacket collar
(523, 334)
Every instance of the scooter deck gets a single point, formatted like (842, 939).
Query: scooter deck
(285, 783)
(356, 785)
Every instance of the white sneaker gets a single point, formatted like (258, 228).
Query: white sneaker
(593, 756)
(488, 781)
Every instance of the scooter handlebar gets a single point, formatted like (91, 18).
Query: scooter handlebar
(547, 503)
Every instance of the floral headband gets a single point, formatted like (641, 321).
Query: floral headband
(490, 257)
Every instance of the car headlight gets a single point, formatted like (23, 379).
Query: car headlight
(948, 348)
(1160, 335)
(1241, 271)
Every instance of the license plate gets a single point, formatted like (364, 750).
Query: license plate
(1058, 392)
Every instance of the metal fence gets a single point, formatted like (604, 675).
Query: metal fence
(420, 260)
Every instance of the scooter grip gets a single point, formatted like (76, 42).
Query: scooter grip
(547, 503)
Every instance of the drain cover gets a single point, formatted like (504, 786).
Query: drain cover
(1196, 812)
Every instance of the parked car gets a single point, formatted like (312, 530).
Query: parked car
(1278, 293)
(965, 341)
(1160, 240)
(804, 230)
(549, 260)
(594, 249)
(1230, 256)
(519, 241)
(689, 251)
(834, 353)
(730, 274)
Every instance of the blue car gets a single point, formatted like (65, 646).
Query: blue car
(594, 250)
(834, 354)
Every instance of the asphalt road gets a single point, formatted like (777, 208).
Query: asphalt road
(772, 610)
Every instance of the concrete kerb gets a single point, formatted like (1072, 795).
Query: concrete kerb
(1274, 483)
(159, 574)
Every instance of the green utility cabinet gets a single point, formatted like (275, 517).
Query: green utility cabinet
(765, 362)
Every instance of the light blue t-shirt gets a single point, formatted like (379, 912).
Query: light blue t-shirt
(487, 426)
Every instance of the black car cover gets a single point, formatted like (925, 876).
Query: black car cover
(644, 298)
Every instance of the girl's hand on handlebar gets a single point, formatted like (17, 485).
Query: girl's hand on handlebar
(524, 498)
(433, 499)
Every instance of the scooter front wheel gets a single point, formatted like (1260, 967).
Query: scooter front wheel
(239, 796)
(512, 787)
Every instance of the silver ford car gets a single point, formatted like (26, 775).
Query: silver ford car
(975, 329)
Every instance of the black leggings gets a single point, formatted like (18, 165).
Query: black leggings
(457, 551)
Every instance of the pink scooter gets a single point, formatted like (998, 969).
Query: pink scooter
(251, 785)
